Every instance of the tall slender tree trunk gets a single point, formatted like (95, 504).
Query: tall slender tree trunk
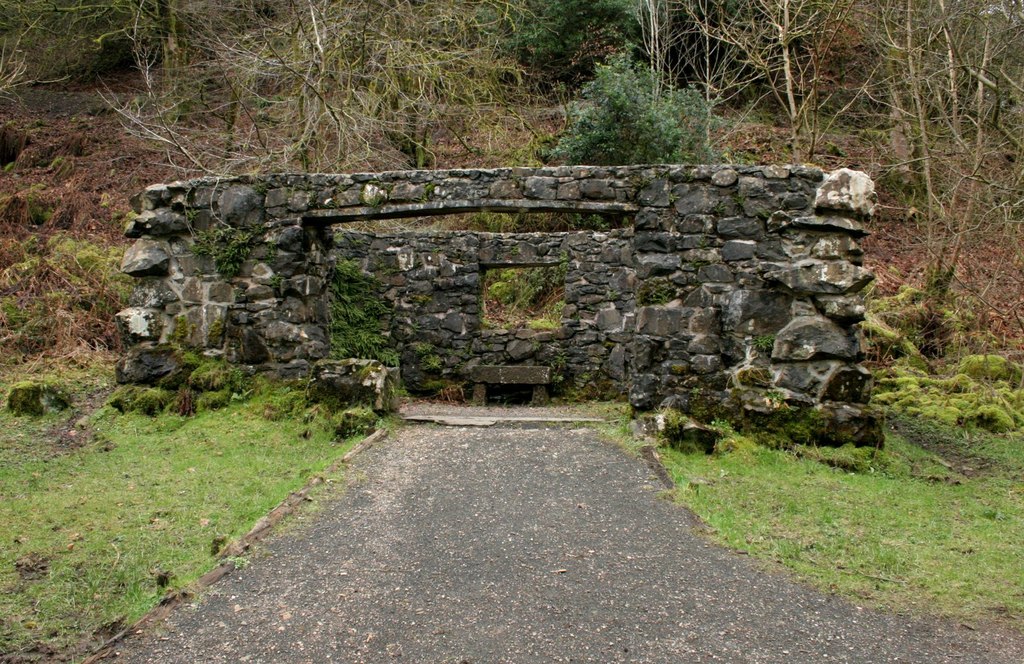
(792, 108)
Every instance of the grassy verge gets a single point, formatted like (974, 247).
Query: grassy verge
(934, 530)
(93, 534)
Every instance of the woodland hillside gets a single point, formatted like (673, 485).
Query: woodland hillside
(927, 96)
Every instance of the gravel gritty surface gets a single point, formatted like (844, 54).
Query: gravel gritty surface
(525, 545)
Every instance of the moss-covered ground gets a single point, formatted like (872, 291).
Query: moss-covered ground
(932, 524)
(102, 513)
(983, 391)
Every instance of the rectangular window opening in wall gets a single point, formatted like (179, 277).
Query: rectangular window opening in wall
(490, 221)
(514, 298)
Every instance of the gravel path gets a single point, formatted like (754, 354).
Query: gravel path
(512, 545)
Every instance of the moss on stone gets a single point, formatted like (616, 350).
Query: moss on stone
(915, 323)
(182, 331)
(213, 400)
(685, 434)
(754, 376)
(889, 342)
(145, 400)
(736, 443)
(994, 418)
(198, 384)
(187, 361)
(215, 375)
(35, 398)
(25, 399)
(777, 425)
(786, 427)
(284, 403)
(354, 422)
(706, 406)
(366, 372)
(216, 331)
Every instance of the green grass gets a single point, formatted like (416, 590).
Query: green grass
(916, 532)
(86, 532)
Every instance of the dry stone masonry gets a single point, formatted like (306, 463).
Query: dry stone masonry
(735, 287)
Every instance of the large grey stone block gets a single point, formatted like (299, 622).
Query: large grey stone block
(241, 205)
(343, 383)
(146, 258)
(822, 277)
(814, 337)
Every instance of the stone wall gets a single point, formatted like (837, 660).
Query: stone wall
(433, 283)
(736, 283)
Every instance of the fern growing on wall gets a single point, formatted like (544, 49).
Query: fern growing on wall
(228, 246)
(358, 317)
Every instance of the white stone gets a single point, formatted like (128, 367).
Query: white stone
(373, 195)
(776, 172)
(139, 323)
(847, 190)
(724, 178)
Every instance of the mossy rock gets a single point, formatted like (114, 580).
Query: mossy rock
(994, 418)
(145, 400)
(737, 444)
(890, 342)
(340, 384)
(685, 434)
(187, 361)
(990, 367)
(354, 422)
(284, 403)
(754, 376)
(213, 400)
(36, 398)
(906, 297)
(216, 375)
(784, 427)
(778, 424)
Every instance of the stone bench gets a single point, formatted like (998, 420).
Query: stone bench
(484, 375)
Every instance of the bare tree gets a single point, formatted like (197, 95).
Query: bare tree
(325, 85)
(707, 60)
(786, 43)
(955, 93)
(656, 26)
(12, 65)
(64, 38)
